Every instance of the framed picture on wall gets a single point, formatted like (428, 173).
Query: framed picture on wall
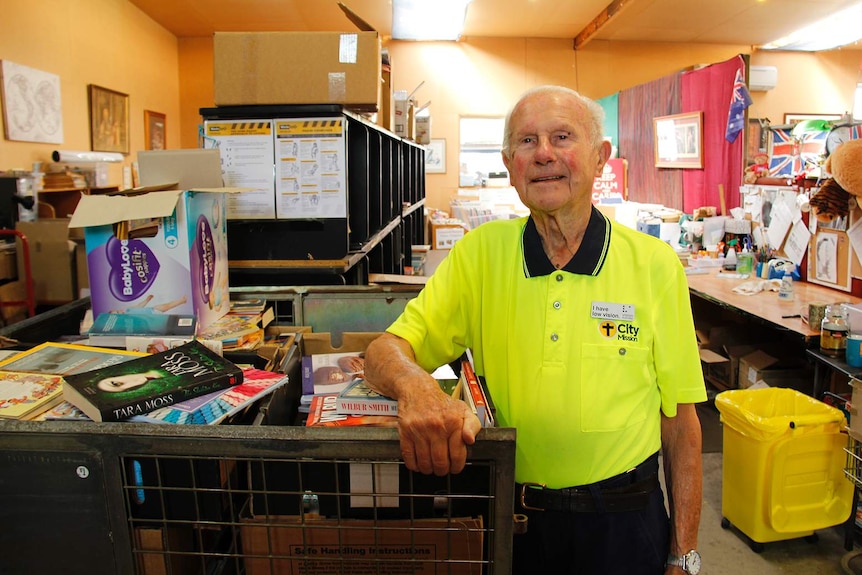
(679, 140)
(794, 118)
(829, 260)
(154, 130)
(109, 120)
(435, 157)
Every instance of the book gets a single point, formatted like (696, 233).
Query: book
(323, 414)
(144, 384)
(237, 331)
(65, 358)
(24, 395)
(331, 372)
(359, 399)
(147, 344)
(111, 329)
(216, 407)
(474, 394)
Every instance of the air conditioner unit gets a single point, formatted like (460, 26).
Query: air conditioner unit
(762, 78)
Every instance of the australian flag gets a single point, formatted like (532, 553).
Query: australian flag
(738, 103)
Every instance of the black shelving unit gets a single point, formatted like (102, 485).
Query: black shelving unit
(385, 179)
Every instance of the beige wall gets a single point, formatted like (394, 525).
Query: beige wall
(112, 44)
(109, 43)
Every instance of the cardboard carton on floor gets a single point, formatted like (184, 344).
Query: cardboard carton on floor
(162, 251)
(52, 259)
(752, 366)
(287, 544)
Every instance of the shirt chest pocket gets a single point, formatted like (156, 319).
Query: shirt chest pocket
(615, 384)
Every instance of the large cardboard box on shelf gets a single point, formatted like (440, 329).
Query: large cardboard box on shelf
(774, 370)
(158, 252)
(52, 259)
(445, 235)
(298, 68)
(290, 544)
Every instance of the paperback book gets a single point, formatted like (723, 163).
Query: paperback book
(323, 414)
(112, 329)
(359, 399)
(331, 372)
(216, 407)
(474, 393)
(65, 358)
(25, 395)
(144, 384)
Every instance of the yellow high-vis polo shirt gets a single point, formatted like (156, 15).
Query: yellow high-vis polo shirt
(580, 360)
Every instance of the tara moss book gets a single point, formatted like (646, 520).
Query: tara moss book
(142, 385)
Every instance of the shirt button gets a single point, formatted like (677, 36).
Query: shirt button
(559, 277)
(622, 351)
(557, 305)
(554, 337)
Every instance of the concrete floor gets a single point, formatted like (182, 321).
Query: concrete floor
(725, 552)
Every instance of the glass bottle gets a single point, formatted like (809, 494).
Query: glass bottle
(834, 331)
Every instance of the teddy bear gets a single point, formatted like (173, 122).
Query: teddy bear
(836, 195)
(759, 169)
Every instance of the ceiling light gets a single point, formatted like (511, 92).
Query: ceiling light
(839, 29)
(428, 19)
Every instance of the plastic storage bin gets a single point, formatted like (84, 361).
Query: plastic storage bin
(783, 464)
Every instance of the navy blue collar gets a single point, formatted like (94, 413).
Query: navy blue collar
(589, 258)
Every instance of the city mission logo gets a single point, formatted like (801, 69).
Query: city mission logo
(622, 331)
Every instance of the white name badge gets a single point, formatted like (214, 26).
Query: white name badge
(619, 311)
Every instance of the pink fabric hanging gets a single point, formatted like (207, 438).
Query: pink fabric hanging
(711, 89)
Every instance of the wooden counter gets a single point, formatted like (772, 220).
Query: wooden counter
(765, 305)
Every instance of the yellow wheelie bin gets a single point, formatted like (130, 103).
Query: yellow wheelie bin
(783, 465)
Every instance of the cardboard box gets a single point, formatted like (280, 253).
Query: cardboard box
(752, 366)
(855, 407)
(284, 544)
(444, 236)
(297, 68)
(52, 259)
(715, 368)
(173, 259)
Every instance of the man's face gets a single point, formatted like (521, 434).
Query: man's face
(553, 160)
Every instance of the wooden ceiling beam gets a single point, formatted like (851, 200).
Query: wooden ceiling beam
(610, 11)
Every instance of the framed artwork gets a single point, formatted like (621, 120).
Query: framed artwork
(32, 110)
(829, 261)
(109, 120)
(757, 141)
(154, 130)
(435, 157)
(794, 118)
(679, 140)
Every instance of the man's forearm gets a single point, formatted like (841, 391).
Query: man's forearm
(681, 449)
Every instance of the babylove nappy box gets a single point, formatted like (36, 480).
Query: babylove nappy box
(160, 248)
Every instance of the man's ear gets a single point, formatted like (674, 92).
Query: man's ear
(604, 156)
(506, 163)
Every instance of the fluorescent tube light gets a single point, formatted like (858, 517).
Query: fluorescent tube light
(428, 19)
(839, 29)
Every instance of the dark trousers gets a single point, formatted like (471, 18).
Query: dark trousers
(614, 543)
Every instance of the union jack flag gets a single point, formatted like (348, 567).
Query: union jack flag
(740, 100)
(792, 156)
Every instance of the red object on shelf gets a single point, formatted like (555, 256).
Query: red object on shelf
(30, 302)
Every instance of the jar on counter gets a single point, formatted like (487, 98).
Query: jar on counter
(834, 331)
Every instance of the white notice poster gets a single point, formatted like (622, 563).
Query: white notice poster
(310, 174)
(246, 149)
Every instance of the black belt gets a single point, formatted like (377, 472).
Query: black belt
(629, 491)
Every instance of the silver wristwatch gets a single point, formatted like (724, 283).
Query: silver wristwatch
(690, 562)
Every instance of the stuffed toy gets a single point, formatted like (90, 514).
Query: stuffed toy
(759, 169)
(837, 194)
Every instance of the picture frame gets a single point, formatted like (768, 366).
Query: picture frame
(435, 156)
(793, 118)
(679, 140)
(109, 120)
(155, 130)
(829, 259)
(32, 106)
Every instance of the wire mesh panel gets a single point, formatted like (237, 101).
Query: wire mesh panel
(285, 500)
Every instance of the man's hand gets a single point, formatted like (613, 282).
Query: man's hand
(435, 431)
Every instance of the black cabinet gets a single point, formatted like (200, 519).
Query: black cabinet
(385, 192)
